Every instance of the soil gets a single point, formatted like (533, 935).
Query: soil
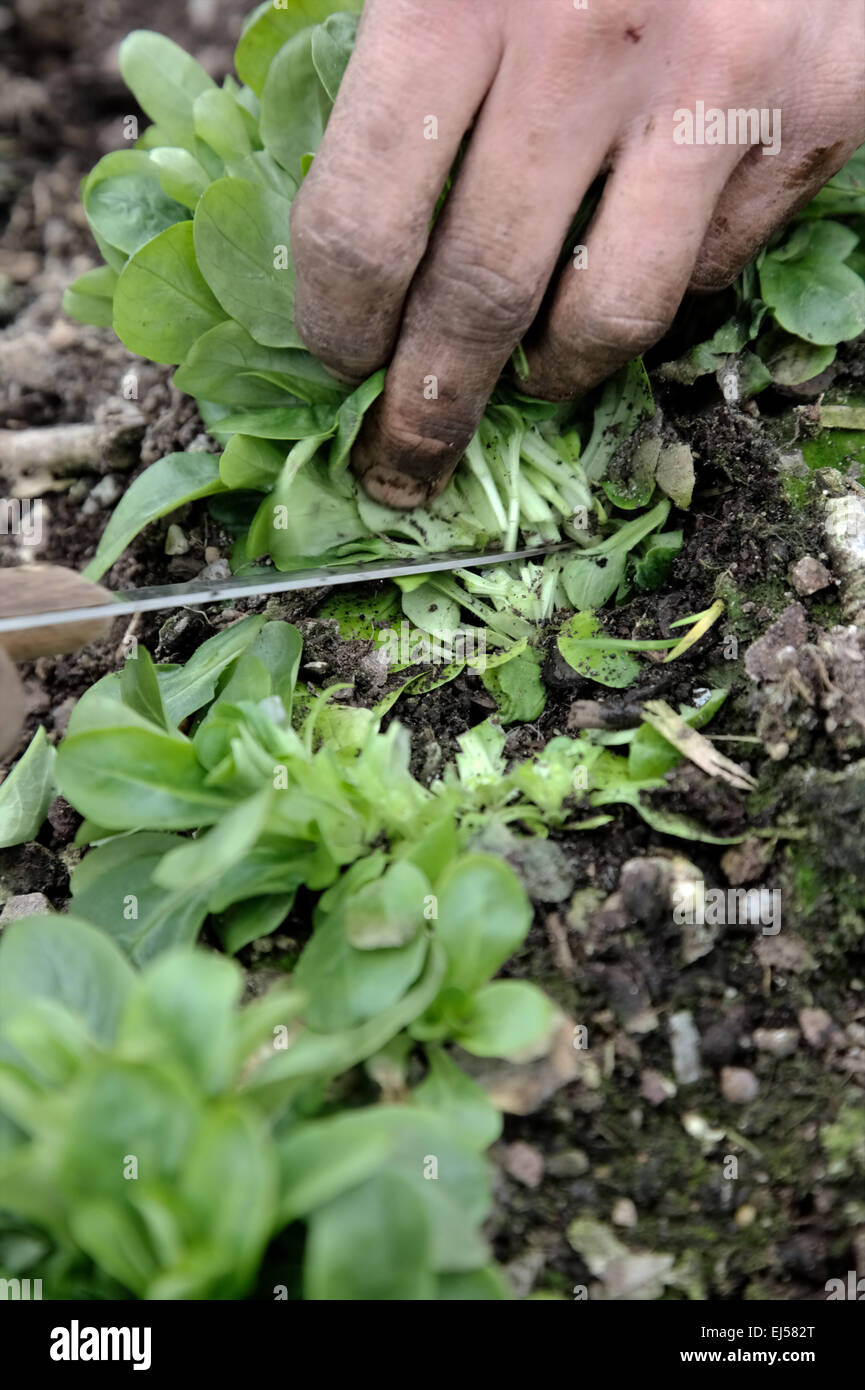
(745, 1170)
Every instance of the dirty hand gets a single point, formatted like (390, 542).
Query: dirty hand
(554, 91)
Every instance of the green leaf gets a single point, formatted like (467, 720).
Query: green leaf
(226, 365)
(372, 1243)
(349, 419)
(180, 174)
(332, 47)
(162, 302)
(303, 516)
(194, 863)
(285, 422)
(114, 888)
(140, 688)
(625, 402)
(810, 290)
(294, 104)
(165, 82)
(319, 1161)
(66, 960)
(188, 688)
(478, 941)
(269, 28)
(389, 911)
(90, 298)
(241, 244)
(248, 463)
(447, 1090)
(219, 122)
(27, 792)
(517, 688)
(589, 581)
(791, 361)
(127, 777)
(475, 1286)
(251, 919)
(346, 986)
(129, 209)
(326, 1054)
(181, 1012)
(169, 483)
(229, 1183)
(611, 667)
(510, 1018)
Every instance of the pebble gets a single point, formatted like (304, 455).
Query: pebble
(211, 554)
(745, 1216)
(217, 570)
(24, 905)
(176, 540)
(738, 1085)
(573, 1163)
(808, 576)
(525, 1163)
(685, 1046)
(655, 1087)
(779, 1042)
(625, 1213)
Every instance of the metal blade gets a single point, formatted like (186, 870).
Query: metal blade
(195, 594)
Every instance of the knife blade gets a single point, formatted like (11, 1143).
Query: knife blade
(196, 593)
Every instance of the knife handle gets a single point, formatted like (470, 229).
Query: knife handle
(31, 589)
(12, 706)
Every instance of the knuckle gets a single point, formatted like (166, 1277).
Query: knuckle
(327, 245)
(627, 334)
(484, 304)
(712, 275)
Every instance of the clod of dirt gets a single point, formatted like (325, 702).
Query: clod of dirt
(808, 576)
(745, 863)
(773, 654)
(799, 680)
(787, 953)
(819, 1029)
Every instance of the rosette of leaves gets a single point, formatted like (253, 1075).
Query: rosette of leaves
(193, 226)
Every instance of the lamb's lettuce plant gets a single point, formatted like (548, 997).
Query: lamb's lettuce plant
(801, 298)
(193, 225)
(151, 1147)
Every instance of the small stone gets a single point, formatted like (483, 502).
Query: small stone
(778, 1042)
(808, 576)
(625, 1213)
(745, 1216)
(573, 1163)
(106, 491)
(25, 905)
(655, 1087)
(525, 1163)
(685, 1046)
(738, 1085)
(218, 570)
(176, 540)
(817, 1026)
(211, 555)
